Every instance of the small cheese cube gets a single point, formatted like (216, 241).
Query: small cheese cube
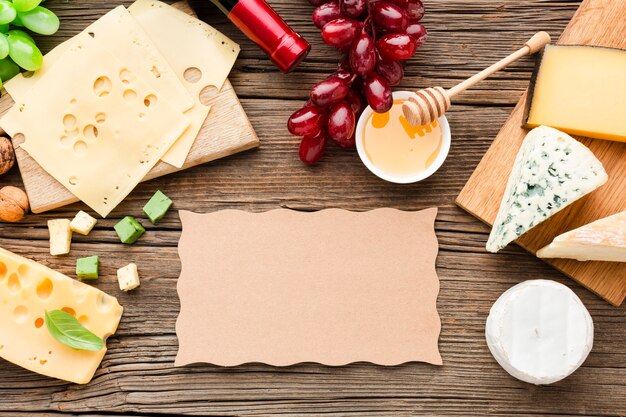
(128, 277)
(60, 236)
(82, 223)
(87, 268)
(129, 230)
(157, 207)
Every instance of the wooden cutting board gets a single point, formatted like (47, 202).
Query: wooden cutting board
(601, 23)
(226, 131)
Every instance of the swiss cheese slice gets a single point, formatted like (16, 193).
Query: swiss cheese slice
(551, 171)
(94, 126)
(539, 331)
(201, 56)
(29, 289)
(602, 240)
(119, 34)
(581, 90)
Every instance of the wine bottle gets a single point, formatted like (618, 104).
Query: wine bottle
(259, 22)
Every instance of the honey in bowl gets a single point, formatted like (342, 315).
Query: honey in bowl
(393, 145)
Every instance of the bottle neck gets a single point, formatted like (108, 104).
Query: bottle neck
(259, 22)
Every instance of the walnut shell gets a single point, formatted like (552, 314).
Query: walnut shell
(13, 204)
(7, 155)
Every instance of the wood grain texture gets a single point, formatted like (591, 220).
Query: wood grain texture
(600, 23)
(226, 131)
(137, 377)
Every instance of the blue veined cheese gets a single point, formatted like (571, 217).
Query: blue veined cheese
(551, 171)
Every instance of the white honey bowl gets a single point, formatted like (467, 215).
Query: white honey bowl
(404, 179)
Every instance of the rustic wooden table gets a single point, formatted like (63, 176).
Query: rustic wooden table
(137, 376)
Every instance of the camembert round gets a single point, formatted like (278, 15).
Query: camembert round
(539, 331)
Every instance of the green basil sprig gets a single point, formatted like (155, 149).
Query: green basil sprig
(67, 329)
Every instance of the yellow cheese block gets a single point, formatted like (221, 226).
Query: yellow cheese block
(581, 90)
(29, 289)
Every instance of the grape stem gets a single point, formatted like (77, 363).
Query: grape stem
(370, 19)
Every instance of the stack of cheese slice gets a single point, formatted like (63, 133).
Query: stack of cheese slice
(27, 291)
(552, 170)
(602, 240)
(112, 101)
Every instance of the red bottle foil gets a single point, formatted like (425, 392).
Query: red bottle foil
(259, 22)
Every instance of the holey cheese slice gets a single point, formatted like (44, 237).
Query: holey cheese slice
(539, 331)
(27, 291)
(119, 34)
(94, 126)
(602, 240)
(201, 57)
(551, 171)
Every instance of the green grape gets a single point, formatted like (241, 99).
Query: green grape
(7, 12)
(25, 5)
(4, 46)
(23, 50)
(8, 69)
(4, 28)
(40, 20)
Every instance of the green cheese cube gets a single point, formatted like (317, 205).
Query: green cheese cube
(156, 208)
(87, 268)
(129, 230)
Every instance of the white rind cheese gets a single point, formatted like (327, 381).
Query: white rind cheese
(552, 170)
(29, 289)
(539, 331)
(602, 240)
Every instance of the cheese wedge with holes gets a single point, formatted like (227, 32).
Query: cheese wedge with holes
(120, 35)
(91, 130)
(29, 289)
(551, 171)
(580, 90)
(602, 240)
(188, 44)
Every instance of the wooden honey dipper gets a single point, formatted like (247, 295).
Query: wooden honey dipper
(427, 105)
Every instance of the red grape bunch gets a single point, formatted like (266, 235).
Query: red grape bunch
(374, 37)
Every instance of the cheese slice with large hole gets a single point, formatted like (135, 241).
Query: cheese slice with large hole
(539, 331)
(118, 33)
(29, 289)
(94, 125)
(189, 45)
(602, 240)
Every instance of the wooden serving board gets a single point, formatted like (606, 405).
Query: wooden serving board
(226, 131)
(601, 23)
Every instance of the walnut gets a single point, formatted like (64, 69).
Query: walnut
(13, 204)
(7, 156)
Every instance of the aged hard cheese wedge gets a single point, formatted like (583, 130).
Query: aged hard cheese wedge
(119, 34)
(551, 171)
(539, 331)
(602, 240)
(27, 291)
(91, 130)
(200, 55)
(581, 90)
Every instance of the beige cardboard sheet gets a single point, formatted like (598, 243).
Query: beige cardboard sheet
(284, 287)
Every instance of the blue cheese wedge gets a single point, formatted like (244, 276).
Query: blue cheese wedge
(551, 171)
(602, 240)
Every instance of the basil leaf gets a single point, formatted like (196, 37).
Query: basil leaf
(66, 329)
